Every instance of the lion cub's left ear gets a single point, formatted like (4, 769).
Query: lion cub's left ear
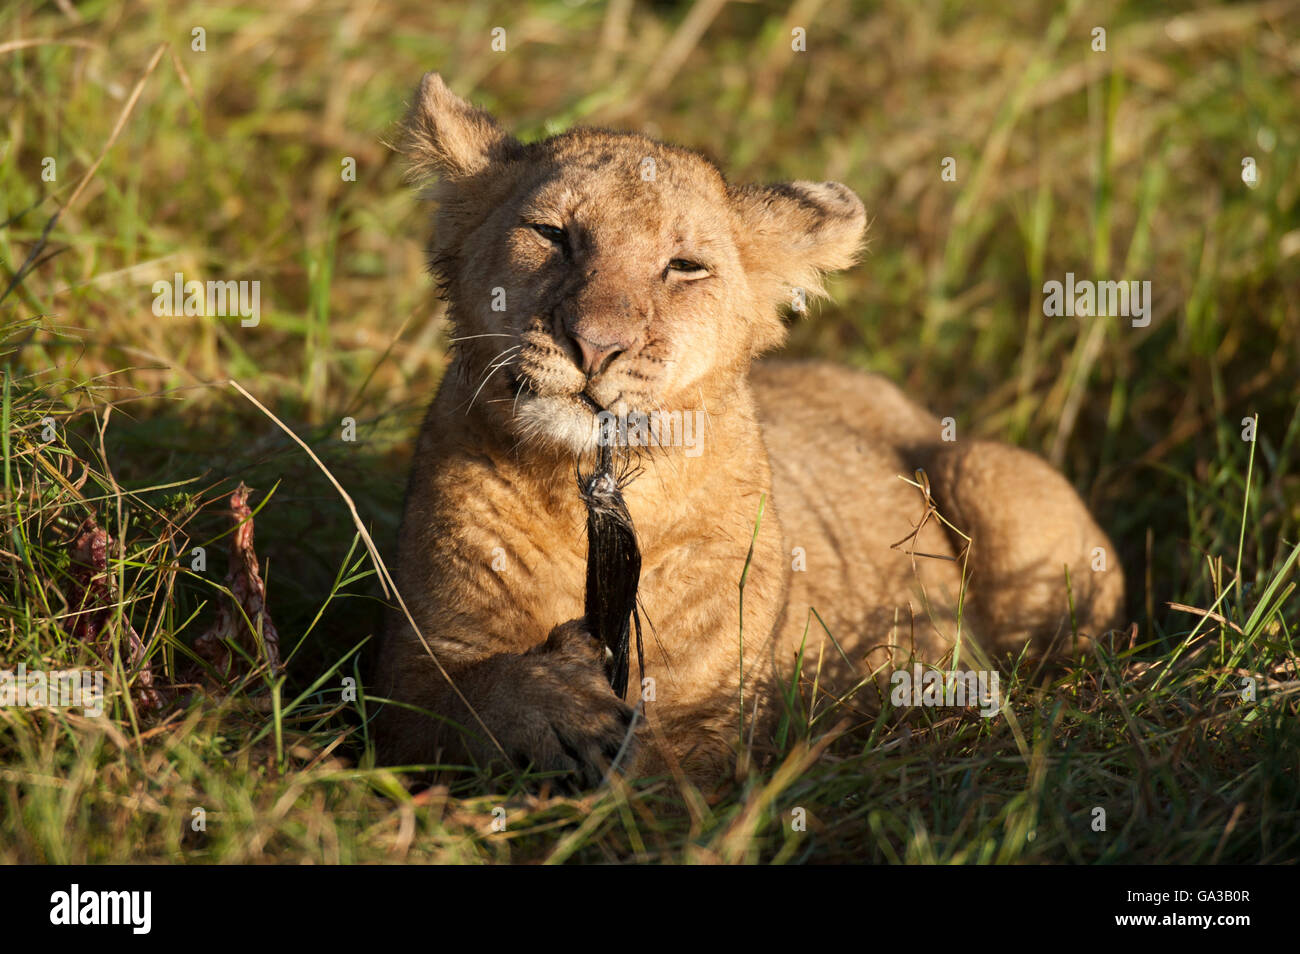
(445, 136)
(793, 233)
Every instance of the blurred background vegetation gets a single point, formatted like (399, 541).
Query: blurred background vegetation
(226, 163)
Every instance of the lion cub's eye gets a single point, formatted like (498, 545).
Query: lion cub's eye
(549, 232)
(685, 268)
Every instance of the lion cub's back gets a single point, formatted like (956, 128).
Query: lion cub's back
(815, 404)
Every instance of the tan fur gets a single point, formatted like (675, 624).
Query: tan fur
(493, 478)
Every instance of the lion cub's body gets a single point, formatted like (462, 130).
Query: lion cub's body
(658, 296)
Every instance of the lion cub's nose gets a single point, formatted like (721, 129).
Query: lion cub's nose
(596, 357)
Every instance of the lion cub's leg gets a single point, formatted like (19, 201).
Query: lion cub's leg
(549, 707)
(1028, 526)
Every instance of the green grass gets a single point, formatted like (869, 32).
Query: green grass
(1123, 164)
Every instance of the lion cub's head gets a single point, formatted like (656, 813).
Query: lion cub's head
(600, 269)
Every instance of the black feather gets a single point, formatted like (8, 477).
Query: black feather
(613, 568)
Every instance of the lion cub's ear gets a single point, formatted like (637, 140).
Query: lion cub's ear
(792, 233)
(445, 136)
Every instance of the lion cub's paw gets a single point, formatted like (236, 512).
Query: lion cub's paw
(557, 712)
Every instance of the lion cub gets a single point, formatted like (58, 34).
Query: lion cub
(604, 269)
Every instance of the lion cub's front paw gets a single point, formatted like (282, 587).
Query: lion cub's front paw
(552, 708)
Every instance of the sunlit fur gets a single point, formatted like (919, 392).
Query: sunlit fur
(797, 487)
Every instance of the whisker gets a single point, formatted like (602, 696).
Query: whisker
(487, 374)
(515, 407)
(488, 377)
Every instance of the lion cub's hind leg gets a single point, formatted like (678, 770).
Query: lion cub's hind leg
(1028, 527)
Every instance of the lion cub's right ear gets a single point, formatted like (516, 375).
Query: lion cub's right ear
(445, 136)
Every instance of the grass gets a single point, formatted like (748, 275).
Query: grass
(228, 163)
